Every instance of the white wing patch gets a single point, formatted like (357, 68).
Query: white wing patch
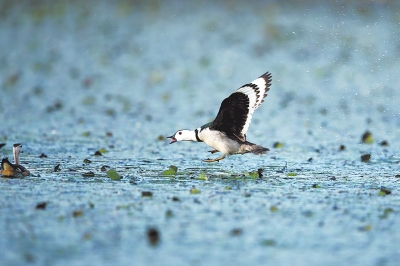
(256, 91)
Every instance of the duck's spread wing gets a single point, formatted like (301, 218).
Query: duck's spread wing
(232, 115)
(236, 111)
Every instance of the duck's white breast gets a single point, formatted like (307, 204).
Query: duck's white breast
(219, 141)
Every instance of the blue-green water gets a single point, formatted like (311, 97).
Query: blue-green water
(121, 76)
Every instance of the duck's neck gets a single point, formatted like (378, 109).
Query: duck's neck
(193, 135)
(16, 155)
(196, 135)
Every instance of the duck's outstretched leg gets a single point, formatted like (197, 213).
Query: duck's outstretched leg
(213, 151)
(214, 160)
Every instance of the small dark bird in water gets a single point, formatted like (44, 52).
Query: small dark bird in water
(227, 133)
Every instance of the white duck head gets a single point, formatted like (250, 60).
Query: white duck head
(183, 134)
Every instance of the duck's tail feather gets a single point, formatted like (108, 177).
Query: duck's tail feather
(253, 148)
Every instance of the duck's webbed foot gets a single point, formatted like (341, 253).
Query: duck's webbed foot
(213, 151)
(214, 160)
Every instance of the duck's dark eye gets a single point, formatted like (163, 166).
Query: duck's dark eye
(180, 133)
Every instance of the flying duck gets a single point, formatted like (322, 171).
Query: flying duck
(13, 170)
(227, 133)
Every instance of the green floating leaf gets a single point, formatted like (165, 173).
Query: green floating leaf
(273, 208)
(291, 174)
(103, 150)
(386, 213)
(113, 175)
(171, 171)
(278, 145)
(384, 192)
(204, 62)
(169, 214)
(253, 174)
(228, 188)
(90, 100)
(87, 236)
(202, 176)
(194, 191)
(365, 228)
(268, 242)
(367, 138)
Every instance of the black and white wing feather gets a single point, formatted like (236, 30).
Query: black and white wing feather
(236, 111)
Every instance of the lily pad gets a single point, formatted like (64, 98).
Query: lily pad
(169, 214)
(273, 208)
(268, 242)
(194, 191)
(113, 175)
(171, 171)
(367, 138)
(253, 174)
(384, 192)
(278, 145)
(202, 176)
(365, 228)
(386, 213)
(103, 150)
